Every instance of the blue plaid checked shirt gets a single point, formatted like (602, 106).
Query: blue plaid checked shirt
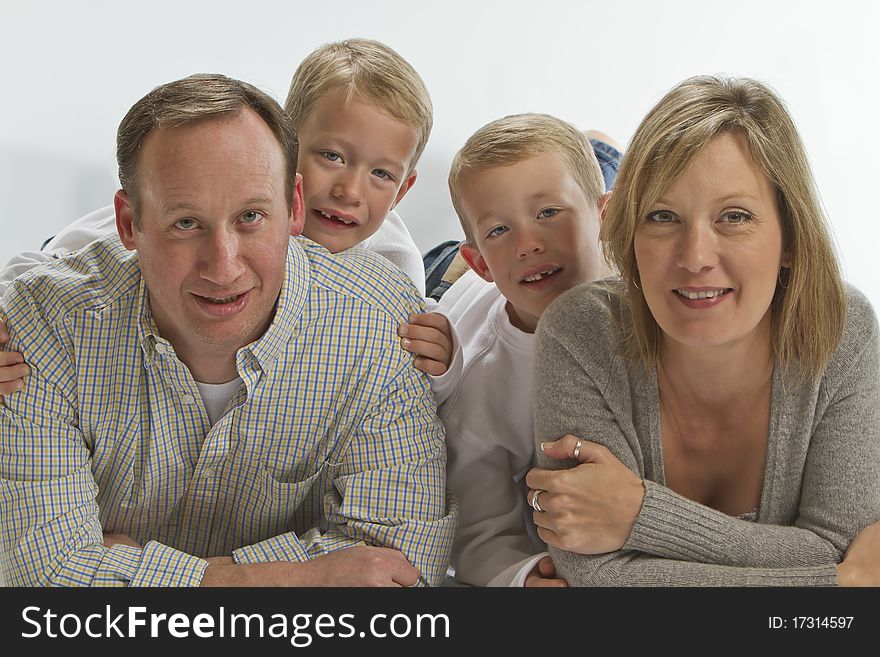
(331, 441)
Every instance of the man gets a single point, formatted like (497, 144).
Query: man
(224, 405)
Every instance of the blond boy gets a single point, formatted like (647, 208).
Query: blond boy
(363, 116)
(529, 194)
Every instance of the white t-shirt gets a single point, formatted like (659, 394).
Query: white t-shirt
(392, 241)
(486, 406)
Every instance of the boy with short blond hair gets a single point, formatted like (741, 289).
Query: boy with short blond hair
(529, 194)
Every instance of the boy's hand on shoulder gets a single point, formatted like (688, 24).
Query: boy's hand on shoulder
(13, 369)
(428, 336)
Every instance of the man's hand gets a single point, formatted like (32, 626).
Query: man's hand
(429, 337)
(544, 575)
(354, 566)
(13, 369)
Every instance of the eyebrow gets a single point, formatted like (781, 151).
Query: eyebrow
(736, 196)
(184, 205)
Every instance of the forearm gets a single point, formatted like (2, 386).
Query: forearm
(674, 527)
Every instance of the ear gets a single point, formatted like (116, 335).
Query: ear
(475, 261)
(297, 208)
(404, 188)
(125, 220)
(603, 204)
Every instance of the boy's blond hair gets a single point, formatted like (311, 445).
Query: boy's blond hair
(519, 137)
(809, 304)
(367, 69)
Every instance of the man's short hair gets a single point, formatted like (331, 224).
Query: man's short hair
(520, 137)
(367, 69)
(192, 99)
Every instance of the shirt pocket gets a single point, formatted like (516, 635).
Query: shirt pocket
(270, 507)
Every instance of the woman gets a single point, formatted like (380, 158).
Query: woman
(722, 397)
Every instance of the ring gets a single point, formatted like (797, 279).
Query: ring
(535, 505)
(577, 449)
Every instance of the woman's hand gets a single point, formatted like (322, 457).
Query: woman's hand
(589, 509)
(861, 565)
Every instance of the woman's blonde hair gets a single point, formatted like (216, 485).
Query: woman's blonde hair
(809, 304)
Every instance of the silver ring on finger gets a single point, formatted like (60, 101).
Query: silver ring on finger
(535, 505)
(577, 449)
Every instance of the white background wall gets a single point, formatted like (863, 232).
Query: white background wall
(70, 70)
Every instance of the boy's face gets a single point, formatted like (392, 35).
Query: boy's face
(536, 233)
(354, 160)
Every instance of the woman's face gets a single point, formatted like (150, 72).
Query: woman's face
(709, 250)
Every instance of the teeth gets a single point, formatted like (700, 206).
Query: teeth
(703, 294)
(347, 222)
(539, 275)
(223, 300)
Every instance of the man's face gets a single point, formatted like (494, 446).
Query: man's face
(355, 162)
(536, 233)
(214, 231)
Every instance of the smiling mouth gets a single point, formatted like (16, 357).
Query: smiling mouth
(541, 275)
(704, 294)
(336, 218)
(221, 300)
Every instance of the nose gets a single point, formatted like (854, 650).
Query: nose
(697, 248)
(347, 186)
(221, 259)
(528, 243)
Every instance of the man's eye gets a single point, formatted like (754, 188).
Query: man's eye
(251, 217)
(185, 223)
(331, 156)
(498, 230)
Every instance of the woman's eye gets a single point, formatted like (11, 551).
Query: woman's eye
(661, 217)
(737, 217)
(185, 224)
(498, 230)
(548, 212)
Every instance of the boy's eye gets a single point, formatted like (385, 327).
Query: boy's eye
(661, 217)
(498, 230)
(548, 212)
(331, 156)
(186, 223)
(381, 173)
(251, 217)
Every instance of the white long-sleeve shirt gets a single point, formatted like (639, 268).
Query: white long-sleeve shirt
(486, 405)
(392, 241)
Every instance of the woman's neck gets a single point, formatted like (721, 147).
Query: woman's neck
(719, 377)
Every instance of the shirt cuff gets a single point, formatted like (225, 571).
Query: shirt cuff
(161, 565)
(285, 547)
